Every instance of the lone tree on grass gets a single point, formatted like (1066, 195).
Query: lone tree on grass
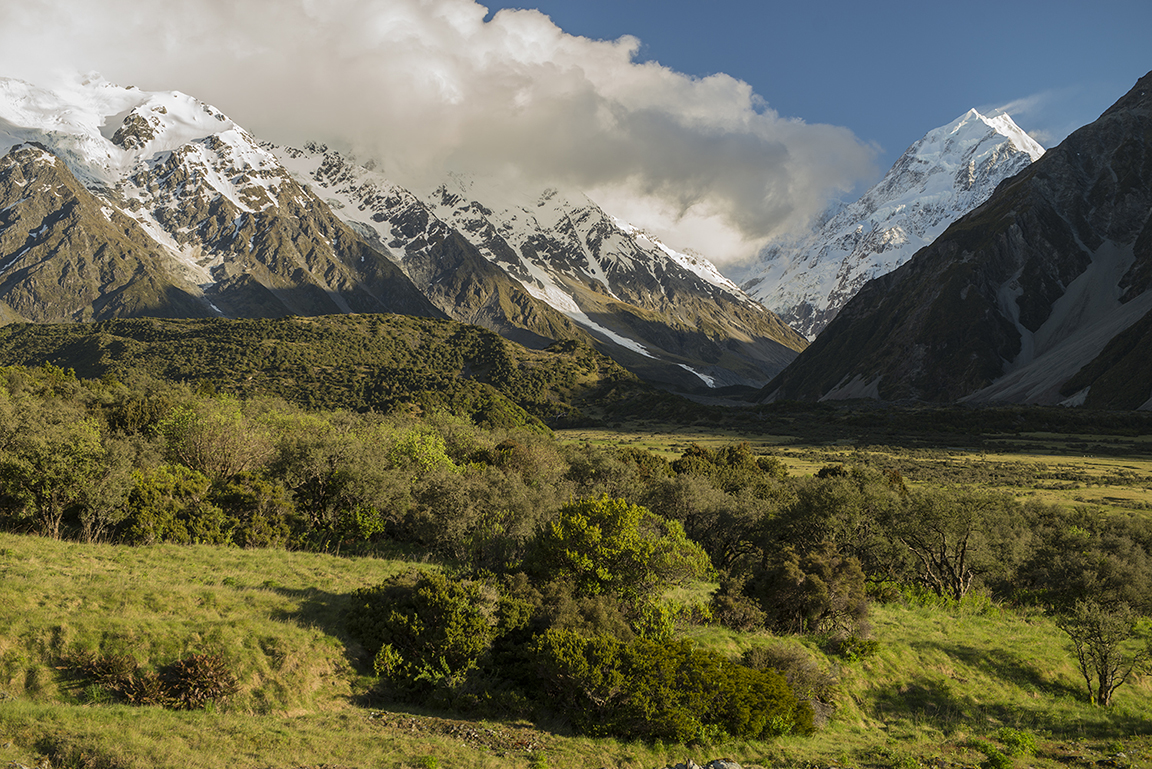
(1099, 637)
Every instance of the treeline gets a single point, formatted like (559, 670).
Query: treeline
(562, 556)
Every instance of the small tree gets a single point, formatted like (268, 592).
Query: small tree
(1098, 634)
(611, 545)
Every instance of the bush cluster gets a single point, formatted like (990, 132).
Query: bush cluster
(190, 683)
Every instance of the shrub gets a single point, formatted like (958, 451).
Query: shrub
(820, 591)
(808, 679)
(424, 630)
(171, 504)
(611, 545)
(186, 684)
(1017, 742)
(653, 690)
(194, 681)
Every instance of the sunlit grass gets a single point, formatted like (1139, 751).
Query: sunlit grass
(939, 678)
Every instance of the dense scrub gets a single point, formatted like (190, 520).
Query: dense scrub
(562, 561)
(357, 362)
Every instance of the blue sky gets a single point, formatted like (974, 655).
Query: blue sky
(891, 71)
(718, 126)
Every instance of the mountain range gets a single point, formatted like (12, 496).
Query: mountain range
(115, 202)
(1040, 295)
(941, 177)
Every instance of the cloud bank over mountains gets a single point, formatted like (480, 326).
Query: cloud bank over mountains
(431, 86)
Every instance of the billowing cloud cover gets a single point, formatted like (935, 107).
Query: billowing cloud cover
(429, 85)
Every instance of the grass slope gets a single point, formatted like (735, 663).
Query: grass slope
(941, 677)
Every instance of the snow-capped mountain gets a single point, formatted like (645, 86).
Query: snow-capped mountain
(215, 213)
(654, 305)
(944, 175)
(1043, 294)
(221, 224)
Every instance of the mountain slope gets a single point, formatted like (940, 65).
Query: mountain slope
(671, 317)
(225, 221)
(236, 228)
(66, 256)
(357, 362)
(942, 176)
(1015, 298)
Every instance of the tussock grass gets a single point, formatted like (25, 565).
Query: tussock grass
(941, 678)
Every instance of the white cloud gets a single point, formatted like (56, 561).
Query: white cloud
(1049, 116)
(428, 86)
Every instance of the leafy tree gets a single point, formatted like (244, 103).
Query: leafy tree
(724, 524)
(260, 510)
(1098, 634)
(611, 545)
(213, 436)
(53, 458)
(952, 537)
(852, 509)
(820, 591)
(335, 466)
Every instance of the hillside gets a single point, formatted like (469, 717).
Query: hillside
(357, 362)
(942, 678)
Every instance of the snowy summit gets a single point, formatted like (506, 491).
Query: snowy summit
(943, 176)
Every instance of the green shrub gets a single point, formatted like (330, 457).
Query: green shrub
(171, 503)
(424, 630)
(1016, 742)
(668, 690)
(610, 545)
(809, 679)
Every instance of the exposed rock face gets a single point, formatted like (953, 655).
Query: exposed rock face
(67, 256)
(219, 225)
(941, 177)
(239, 229)
(670, 317)
(1014, 299)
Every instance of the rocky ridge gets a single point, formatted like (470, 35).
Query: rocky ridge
(236, 228)
(671, 316)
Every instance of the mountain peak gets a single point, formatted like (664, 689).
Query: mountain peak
(945, 174)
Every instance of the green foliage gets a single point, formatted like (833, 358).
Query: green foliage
(1099, 636)
(213, 436)
(994, 758)
(1016, 742)
(425, 630)
(51, 458)
(669, 690)
(819, 592)
(611, 545)
(422, 449)
(260, 510)
(385, 363)
(171, 503)
(809, 680)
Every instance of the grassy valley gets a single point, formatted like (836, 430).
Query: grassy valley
(224, 535)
